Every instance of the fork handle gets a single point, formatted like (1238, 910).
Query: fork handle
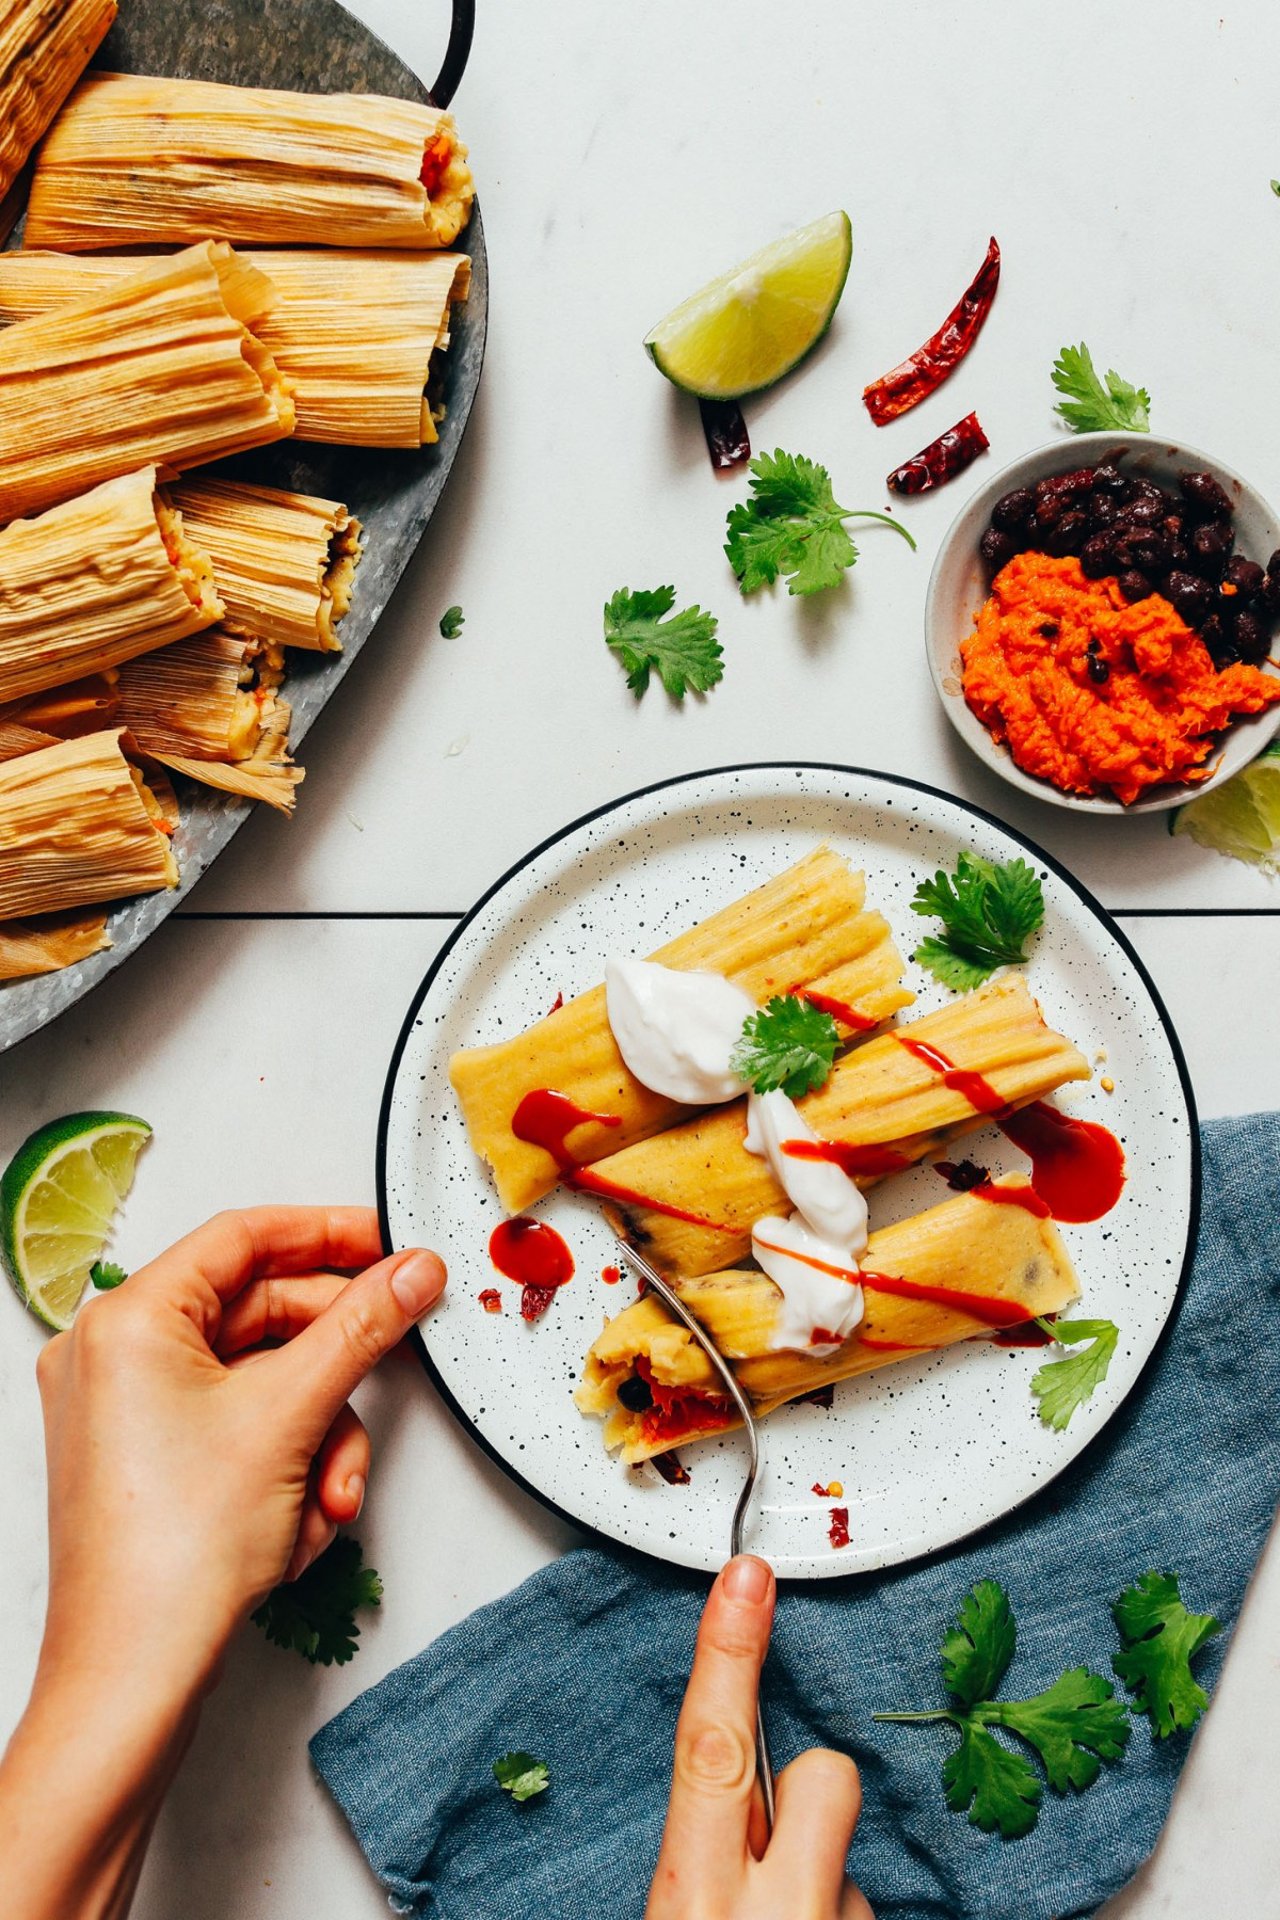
(764, 1767)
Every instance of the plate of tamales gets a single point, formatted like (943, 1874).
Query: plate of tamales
(1021, 1143)
(243, 302)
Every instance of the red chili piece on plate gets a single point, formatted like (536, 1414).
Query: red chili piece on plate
(924, 371)
(534, 1301)
(728, 442)
(838, 1532)
(491, 1300)
(671, 1468)
(942, 459)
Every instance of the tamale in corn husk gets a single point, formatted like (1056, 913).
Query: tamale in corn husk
(209, 708)
(354, 334)
(1011, 1258)
(78, 825)
(137, 161)
(63, 713)
(807, 927)
(690, 1196)
(47, 945)
(95, 581)
(45, 45)
(284, 562)
(159, 366)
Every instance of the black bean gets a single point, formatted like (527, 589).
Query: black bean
(1151, 551)
(1012, 510)
(1204, 496)
(1270, 595)
(1099, 671)
(1048, 513)
(1133, 585)
(997, 547)
(1273, 564)
(1048, 629)
(1068, 536)
(1190, 596)
(634, 1394)
(1107, 478)
(1148, 511)
(1216, 637)
(1102, 510)
(1097, 556)
(1211, 545)
(1246, 576)
(1251, 636)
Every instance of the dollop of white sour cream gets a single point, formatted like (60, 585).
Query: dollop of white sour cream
(812, 1257)
(676, 1030)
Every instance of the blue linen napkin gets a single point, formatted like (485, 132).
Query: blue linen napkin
(584, 1665)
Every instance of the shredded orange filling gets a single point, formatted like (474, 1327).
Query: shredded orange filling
(435, 163)
(1146, 711)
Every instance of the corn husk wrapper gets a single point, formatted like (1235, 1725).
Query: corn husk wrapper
(95, 581)
(159, 365)
(354, 334)
(63, 713)
(29, 947)
(141, 161)
(806, 927)
(284, 562)
(78, 825)
(967, 1244)
(209, 708)
(879, 1096)
(45, 45)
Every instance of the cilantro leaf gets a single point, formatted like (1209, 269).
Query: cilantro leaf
(989, 910)
(314, 1614)
(793, 527)
(683, 651)
(1074, 1726)
(520, 1775)
(977, 1651)
(1092, 407)
(105, 1274)
(451, 623)
(998, 1789)
(787, 1044)
(1160, 1639)
(1063, 1385)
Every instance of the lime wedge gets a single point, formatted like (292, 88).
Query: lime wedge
(752, 325)
(59, 1196)
(1242, 817)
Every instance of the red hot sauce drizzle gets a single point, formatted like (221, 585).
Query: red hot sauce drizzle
(532, 1254)
(840, 1010)
(1077, 1166)
(587, 1180)
(859, 1162)
(987, 1307)
(545, 1118)
(980, 1093)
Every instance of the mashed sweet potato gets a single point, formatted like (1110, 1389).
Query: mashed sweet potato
(1148, 709)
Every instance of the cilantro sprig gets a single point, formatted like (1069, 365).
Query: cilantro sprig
(1073, 1726)
(315, 1614)
(1160, 1639)
(105, 1275)
(793, 526)
(989, 910)
(787, 1044)
(1092, 406)
(452, 621)
(1063, 1385)
(683, 651)
(520, 1775)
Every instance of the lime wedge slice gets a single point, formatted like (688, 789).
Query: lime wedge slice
(752, 325)
(1241, 818)
(59, 1197)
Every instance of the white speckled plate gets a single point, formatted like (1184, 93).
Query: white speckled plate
(928, 1450)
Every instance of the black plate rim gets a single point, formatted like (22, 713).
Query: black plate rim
(1115, 1422)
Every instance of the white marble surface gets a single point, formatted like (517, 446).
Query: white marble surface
(1122, 155)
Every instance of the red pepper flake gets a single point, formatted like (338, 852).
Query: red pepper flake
(611, 1275)
(557, 1003)
(728, 442)
(926, 369)
(838, 1532)
(942, 459)
(534, 1301)
(491, 1300)
(671, 1468)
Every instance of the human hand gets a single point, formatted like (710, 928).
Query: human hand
(716, 1861)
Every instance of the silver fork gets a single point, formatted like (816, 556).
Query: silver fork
(674, 1304)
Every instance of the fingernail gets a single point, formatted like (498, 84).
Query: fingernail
(354, 1490)
(416, 1282)
(748, 1579)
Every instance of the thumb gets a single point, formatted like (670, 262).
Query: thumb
(322, 1365)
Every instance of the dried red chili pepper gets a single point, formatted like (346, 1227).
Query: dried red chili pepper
(926, 369)
(942, 459)
(838, 1531)
(672, 1469)
(726, 430)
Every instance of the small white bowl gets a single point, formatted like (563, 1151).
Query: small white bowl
(958, 586)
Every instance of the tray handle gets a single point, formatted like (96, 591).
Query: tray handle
(454, 65)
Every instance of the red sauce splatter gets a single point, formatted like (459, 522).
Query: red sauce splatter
(491, 1300)
(838, 1532)
(838, 1009)
(587, 1180)
(545, 1118)
(556, 1004)
(611, 1275)
(987, 1307)
(980, 1093)
(677, 1411)
(1077, 1166)
(819, 1266)
(1029, 1335)
(821, 1337)
(435, 162)
(672, 1469)
(533, 1254)
(859, 1162)
(1025, 1197)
